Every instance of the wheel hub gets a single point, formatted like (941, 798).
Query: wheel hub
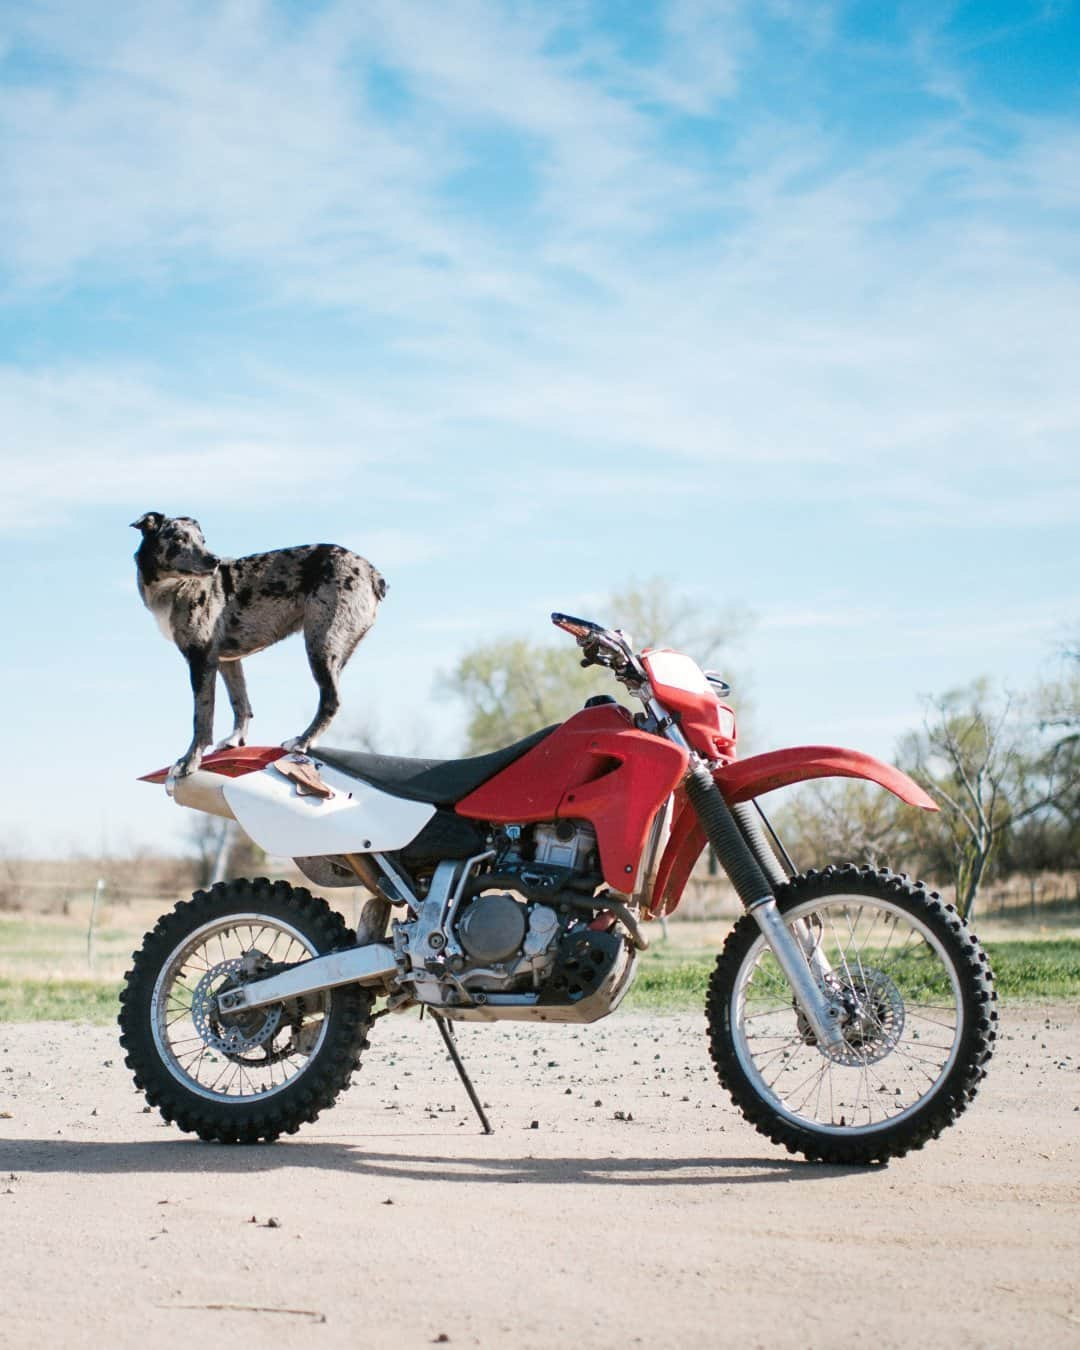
(870, 1011)
(233, 1033)
(873, 1018)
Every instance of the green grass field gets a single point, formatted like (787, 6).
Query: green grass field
(671, 979)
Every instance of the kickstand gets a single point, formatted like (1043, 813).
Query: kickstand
(446, 1030)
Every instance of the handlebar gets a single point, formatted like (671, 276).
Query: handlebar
(601, 646)
(613, 649)
(578, 628)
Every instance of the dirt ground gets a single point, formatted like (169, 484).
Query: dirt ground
(393, 1221)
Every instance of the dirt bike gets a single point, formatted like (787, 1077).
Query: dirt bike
(850, 1014)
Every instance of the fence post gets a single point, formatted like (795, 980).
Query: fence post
(99, 888)
(225, 847)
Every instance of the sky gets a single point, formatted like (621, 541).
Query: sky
(527, 302)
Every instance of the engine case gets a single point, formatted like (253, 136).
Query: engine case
(493, 927)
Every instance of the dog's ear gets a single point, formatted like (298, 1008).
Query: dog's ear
(149, 523)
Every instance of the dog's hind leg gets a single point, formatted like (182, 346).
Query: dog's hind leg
(329, 646)
(233, 674)
(327, 671)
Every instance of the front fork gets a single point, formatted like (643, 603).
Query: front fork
(804, 969)
(796, 952)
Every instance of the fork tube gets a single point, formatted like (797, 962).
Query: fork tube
(753, 826)
(722, 831)
(751, 818)
(821, 1012)
(737, 858)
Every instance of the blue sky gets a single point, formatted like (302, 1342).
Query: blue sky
(524, 301)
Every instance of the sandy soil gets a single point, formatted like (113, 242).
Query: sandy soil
(393, 1221)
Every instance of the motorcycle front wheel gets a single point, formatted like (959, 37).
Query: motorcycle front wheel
(918, 1018)
(260, 1072)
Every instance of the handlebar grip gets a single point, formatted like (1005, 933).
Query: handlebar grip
(578, 628)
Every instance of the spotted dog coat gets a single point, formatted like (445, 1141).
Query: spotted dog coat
(218, 610)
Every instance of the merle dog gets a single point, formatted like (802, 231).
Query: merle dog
(218, 610)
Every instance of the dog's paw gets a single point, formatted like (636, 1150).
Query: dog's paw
(232, 742)
(179, 770)
(186, 765)
(296, 744)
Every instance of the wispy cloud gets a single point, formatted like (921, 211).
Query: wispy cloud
(889, 321)
(83, 437)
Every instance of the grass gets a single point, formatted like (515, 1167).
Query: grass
(674, 981)
(1036, 969)
(670, 979)
(23, 1000)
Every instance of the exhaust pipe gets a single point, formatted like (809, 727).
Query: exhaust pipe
(203, 791)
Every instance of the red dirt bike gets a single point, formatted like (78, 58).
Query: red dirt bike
(850, 1014)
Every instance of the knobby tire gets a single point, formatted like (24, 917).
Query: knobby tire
(314, 1087)
(954, 1089)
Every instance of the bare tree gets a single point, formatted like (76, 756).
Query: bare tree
(972, 756)
(13, 873)
(843, 821)
(221, 850)
(513, 686)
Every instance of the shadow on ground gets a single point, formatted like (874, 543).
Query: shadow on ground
(164, 1157)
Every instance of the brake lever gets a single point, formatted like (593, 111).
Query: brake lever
(601, 651)
(591, 649)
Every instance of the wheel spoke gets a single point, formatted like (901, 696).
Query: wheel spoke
(896, 981)
(225, 1058)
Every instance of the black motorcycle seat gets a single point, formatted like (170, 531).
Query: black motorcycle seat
(442, 782)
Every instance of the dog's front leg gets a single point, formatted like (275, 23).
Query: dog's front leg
(203, 668)
(233, 675)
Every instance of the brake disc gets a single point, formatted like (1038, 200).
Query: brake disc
(233, 1033)
(872, 1022)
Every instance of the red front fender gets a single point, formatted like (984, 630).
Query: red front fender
(744, 779)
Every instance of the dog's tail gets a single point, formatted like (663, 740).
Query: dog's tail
(380, 583)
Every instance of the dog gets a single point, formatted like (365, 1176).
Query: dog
(220, 610)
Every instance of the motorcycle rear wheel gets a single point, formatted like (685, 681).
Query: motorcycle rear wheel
(919, 1024)
(253, 1075)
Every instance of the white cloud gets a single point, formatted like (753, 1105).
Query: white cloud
(894, 324)
(83, 437)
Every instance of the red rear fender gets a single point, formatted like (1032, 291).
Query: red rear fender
(745, 779)
(231, 763)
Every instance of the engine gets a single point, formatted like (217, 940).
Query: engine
(509, 940)
(552, 854)
(505, 943)
(520, 927)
